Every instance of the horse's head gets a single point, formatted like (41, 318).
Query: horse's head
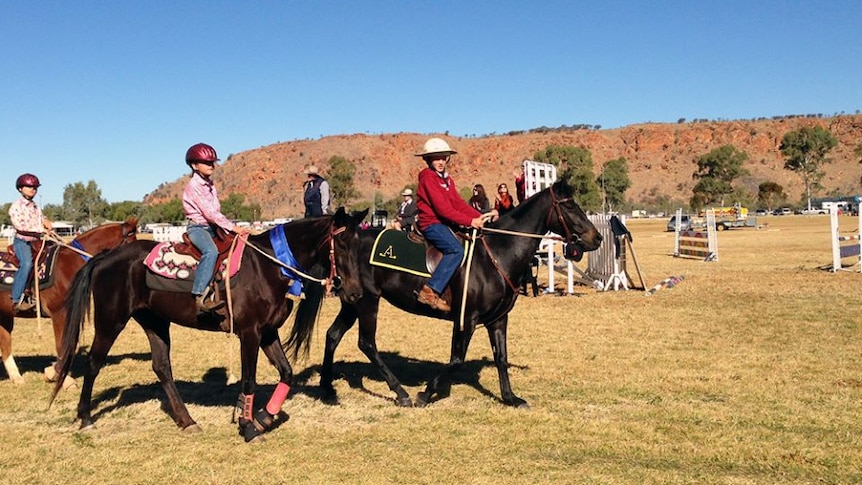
(568, 219)
(345, 257)
(108, 236)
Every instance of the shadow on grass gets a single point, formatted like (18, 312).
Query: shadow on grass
(410, 372)
(37, 363)
(212, 391)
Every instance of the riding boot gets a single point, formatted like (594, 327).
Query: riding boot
(429, 297)
(24, 307)
(206, 305)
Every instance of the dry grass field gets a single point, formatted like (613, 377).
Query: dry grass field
(748, 372)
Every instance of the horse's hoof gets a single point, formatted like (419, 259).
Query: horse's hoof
(328, 396)
(422, 400)
(249, 432)
(17, 379)
(517, 403)
(50, 374)
(69, 384)
(86, 427)
(193, 429)
(404, 402)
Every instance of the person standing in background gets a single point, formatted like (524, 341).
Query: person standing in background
(316, 193)
(504, 202)
(406, 216)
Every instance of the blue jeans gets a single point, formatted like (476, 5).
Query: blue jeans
(24, 253)
(202, 237)
(453, 252)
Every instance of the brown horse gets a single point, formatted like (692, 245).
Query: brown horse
(68, 261)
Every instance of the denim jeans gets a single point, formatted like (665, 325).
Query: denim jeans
(202, 237)
(24, 253)
(453, 252)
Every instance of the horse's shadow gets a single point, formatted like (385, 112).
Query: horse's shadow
(411, 373)
(212, 391)
(37, 363)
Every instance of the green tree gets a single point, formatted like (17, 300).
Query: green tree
(83, 205)
(170, 211)
(770, 195)
(5, 220)
(120, 211)
(805, 150)
(53, 212)
(234, 208)
(715, 173)
(340, 178)
(614, 180)
(575, 166)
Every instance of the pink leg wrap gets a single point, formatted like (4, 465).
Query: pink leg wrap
(277, 398)
(247, 406)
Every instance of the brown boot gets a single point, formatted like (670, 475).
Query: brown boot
(24, 307)
(207, 306)
(429, 297)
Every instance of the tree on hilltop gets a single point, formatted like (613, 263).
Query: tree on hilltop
(806, 150)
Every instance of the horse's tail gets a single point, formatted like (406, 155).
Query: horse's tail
(77, 308)
(299, 340)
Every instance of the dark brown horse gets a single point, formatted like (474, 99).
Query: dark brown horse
(259, 306)
(501, 262)
(68, 261)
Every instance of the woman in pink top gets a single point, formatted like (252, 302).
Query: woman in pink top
(203, 210)
(439, 208)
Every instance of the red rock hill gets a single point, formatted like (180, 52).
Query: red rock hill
(661, 157)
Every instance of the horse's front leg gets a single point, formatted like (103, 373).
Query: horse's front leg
(442, 384)
(271, 415)
(158, 333)
(497, 334)
(343, 321)
(249, 343)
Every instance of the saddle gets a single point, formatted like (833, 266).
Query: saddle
(44, 267)
(222, 240)
(172, 265)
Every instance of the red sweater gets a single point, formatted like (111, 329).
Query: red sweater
(437, 201)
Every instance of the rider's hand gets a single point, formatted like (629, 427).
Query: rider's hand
(241, 230)
(478, 222)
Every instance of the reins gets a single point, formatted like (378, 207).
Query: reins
(555, 209)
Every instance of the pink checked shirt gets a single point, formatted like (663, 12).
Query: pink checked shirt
(201, 204)
(26, 216)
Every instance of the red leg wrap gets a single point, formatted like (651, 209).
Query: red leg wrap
(277, 399)
(247, 406)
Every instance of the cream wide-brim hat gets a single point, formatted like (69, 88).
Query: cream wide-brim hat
(311, 170)
(436, 146)
(407, 192)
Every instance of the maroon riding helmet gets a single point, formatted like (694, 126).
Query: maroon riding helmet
(201, 153)
(27, 180)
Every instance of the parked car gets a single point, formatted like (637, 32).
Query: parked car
(813, 211)
(784, 211)
(761, 212)
(685, 223)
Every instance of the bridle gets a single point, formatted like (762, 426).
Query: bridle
(556, 209)
(335, 280)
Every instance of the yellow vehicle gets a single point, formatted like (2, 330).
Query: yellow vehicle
(729, 217)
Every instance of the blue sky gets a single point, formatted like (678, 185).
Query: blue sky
(116, 91)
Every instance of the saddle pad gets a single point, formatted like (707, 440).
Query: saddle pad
(45, 270)
(166, 263)
(156, 282)
(392, 249)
